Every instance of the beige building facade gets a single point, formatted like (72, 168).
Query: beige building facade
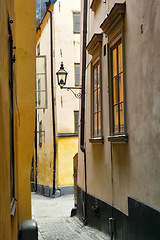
(66, 49)
(118, 167)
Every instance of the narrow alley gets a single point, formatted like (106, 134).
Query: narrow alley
(54, 221)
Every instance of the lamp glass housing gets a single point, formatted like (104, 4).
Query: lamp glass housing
(61, 76)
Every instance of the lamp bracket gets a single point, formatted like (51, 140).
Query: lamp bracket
(77, 95)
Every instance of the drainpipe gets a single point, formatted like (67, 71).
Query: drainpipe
(82, 145)
(53, 109)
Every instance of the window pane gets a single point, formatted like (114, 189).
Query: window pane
(95, 78)
(99, 100)
(41, 99)
(77, 27)
(116, 123)
(99, 123)
(114, 62)
(76, 19)
(122, 117)
(76, 119)
(95, 124)
(42, 80)
(121, 97)
(98, 75)
(77, 74)
(95, 101)
(115, 90)
(120, 61)
(40, 65)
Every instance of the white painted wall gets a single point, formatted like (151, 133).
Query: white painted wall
(67, 43)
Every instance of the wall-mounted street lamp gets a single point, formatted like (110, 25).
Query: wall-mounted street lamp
(62, 78)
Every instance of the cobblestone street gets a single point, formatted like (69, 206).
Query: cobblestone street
(54, 221)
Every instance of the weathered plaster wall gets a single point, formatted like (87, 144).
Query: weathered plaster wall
(65, 102)
(67, 148)
(45, 164)
(25, 97)
(135, 164)
(23, 33)
(67, 43)
(5, 218)
(45, 152)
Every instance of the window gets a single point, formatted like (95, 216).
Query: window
(76, 121)
(117, 89)
(96, 93)
(94, 48)
(76, 22)
(77, 74)
(40, 133)
(113, 28)
(38, 49)
(41, 83)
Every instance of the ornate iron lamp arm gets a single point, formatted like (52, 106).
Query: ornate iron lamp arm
(77, 95)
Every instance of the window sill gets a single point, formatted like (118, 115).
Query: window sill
(97, 140)
(118, 138)
(67, 134)
(13, 206)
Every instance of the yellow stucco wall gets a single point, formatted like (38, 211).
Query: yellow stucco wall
(45, 164)
(5, 218)
(25, 78)
(24, 36)
(67, 148)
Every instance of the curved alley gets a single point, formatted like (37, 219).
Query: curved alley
(54, 221)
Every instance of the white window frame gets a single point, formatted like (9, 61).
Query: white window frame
(74, 14)
(40, 91)
(75, 74)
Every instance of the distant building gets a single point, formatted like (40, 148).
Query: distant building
(66, 49)
(17, 113)
(119, 155)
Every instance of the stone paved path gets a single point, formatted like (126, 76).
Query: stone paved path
(55, 223)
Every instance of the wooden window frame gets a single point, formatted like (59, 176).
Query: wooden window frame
(96, 138)
(94, 5)
(118, 103)
(94, 48)
(113, 28)
(97, 111)
(119, 137)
